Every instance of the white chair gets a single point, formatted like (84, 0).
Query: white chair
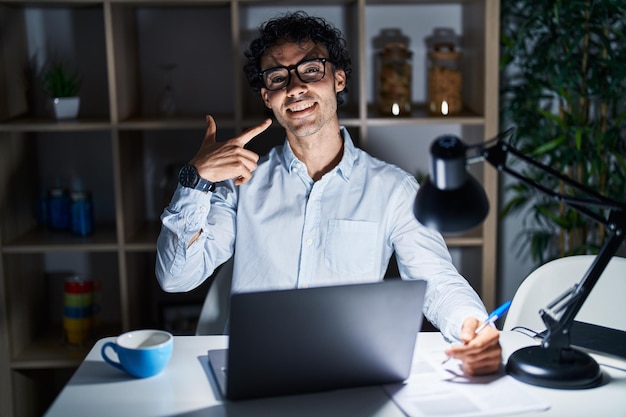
(605, 306)
(214, 314)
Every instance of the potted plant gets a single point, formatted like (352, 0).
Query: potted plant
(564, 89)
(62, 86)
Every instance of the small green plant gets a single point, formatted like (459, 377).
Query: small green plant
(60, 82)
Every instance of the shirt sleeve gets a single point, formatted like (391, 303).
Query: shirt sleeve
(180, 268)
(422, 254)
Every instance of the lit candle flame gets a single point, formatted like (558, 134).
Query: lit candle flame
(444, 108)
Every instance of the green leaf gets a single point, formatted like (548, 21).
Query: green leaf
(59, 82)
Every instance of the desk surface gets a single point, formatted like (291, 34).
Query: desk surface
(187, 388)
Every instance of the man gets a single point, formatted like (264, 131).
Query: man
(315, 211)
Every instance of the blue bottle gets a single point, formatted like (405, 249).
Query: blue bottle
(58, 208)
(82, 213)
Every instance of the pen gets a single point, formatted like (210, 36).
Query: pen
(495, 315)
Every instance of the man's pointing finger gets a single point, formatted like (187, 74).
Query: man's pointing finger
(253, 132)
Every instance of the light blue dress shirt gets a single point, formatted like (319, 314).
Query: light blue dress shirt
(288, 231)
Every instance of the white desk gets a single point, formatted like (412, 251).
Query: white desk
(187, 388)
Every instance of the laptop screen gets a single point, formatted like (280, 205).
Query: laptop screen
(306, 340)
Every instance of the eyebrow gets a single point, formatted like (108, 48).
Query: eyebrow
(306, 58)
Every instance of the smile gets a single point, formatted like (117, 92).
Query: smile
(301, 107)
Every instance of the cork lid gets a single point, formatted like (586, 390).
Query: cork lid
(390, 36)
(443, 39)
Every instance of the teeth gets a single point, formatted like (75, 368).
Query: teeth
(302, 107)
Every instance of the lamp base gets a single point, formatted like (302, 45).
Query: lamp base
(563, 368)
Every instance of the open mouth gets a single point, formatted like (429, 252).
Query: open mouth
(300, 107)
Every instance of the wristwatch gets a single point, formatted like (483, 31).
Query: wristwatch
(189, 177)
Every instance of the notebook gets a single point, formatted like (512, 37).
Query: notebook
(309, 340)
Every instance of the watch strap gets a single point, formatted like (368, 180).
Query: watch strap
(204, 185)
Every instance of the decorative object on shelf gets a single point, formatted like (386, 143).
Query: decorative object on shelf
(444, 75)
(62, 86)
(63, 210)
(66, 107)
(167, 99)
(81, 209)
(78, 309)
(58, 207)
(394, 73)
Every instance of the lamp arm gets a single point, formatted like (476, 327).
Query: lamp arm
(577, 203)
(496, 155)
(558, 328)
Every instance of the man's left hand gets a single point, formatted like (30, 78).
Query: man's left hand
(480, 353)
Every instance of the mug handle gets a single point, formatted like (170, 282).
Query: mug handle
(106, 358)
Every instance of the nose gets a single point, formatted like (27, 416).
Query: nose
(294, 84)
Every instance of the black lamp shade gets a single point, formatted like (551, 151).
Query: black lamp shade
(452, 210)
(450, 199)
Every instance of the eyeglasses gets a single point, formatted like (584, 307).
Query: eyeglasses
(308, 71)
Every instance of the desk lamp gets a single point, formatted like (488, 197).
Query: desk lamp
(451, 200)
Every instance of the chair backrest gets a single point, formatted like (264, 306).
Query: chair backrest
(605, 306)
(214, 313)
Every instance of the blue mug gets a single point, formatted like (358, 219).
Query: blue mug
(141, 353)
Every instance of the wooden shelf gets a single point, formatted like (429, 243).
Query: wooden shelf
(473, 238)
(43, 240)
(420, 116)
(51, 351)
(41, 124)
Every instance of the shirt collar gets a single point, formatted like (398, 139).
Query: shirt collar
(345, 166)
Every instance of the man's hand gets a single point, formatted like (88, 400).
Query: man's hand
(480, 353)
(225, 160)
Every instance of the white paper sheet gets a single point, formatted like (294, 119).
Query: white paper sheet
(436, 389)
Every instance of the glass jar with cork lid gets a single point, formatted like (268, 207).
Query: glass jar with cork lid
(444, 74)
(394, 74)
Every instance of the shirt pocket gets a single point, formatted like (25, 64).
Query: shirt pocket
(351, 247)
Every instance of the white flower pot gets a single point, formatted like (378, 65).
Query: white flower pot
(66, 107)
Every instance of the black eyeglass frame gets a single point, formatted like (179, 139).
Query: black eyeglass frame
(293, 67)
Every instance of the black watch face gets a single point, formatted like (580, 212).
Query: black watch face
(188, 176)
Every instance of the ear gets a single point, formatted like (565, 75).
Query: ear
(266, 98)
(340, 80)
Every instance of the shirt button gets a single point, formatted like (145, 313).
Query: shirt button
(309, 242)
(203, 208)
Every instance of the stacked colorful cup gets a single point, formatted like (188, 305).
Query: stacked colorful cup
(78, 309)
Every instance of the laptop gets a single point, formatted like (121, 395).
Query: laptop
(299, 341)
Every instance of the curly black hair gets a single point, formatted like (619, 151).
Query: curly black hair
(297, 27)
